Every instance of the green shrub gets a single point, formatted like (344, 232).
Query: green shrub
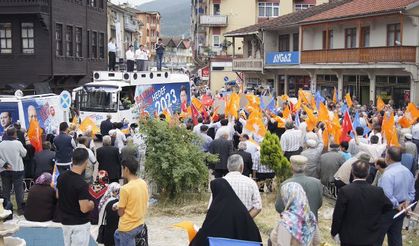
(174, 160)
(272, 156)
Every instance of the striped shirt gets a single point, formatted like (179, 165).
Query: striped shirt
(257, 166)
(291, 140)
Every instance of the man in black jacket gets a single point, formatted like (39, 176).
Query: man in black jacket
(223, 148)
(43, 161)
(359, 209)
(247, 159)
(106, 126)
(109, 159)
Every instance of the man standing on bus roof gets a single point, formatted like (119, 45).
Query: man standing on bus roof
(130, 56)
(142, 55)
(112, 53)
(159, 53)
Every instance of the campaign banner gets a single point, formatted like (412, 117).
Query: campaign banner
(158, 97)
(45, 111)
(9, 114)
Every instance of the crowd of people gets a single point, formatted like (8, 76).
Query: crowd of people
(365, 156)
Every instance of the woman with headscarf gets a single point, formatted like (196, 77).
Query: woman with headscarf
(97, 190)
(41, 202)
(297, 225)
(227, 217)
(107, 216)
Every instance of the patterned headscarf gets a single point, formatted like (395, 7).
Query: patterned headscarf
(44, 179)
(297, 218)
(111, 194)
(98, 188)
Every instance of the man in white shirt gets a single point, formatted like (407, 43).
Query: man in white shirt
(291, 140)
(353, 148)
(197, 129)
(141, 56)
(374, 149)
(226, 127)
(244, 187)
(251, 147)
(112, 54)
(130, 57)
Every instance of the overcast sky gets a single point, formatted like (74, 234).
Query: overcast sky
(133, 2)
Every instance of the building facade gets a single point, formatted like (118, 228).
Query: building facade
(178, 53)
(365, 48)
(211, 19)
(50, 45)
(151, 30)
(124, 26)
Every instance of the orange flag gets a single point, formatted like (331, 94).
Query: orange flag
(334, 95)
(35, 135)
(380, 104)
(302, 96)
(75, 120)
(336, 128)
(404, 122)
(233, 105)
(348, 99)
(387, 126)
(88, 123)
(188, 226)
(394, 140)
(311, 119)
(325, 136)
(286, 113)
(323, 113)
(412, 112)
(313, 103)
(197, 103)
(167, 114)
(284, 97)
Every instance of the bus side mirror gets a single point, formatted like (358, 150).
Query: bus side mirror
(114, 100)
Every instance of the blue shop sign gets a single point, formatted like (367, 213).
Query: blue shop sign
(282, 58)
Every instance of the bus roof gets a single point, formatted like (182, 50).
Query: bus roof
(139, 78)
(15, 98)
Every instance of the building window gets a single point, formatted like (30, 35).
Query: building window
(94, 44)
(299, 6)
(268, 9)
(393, 35)
(28, 38)
(100, 4)
(284, 42)
(59, 39)
(69, 41)
(88, 44)
(328, 44)
(249, 48)
(350, 38)
(5, 38)
(79, 37)
(92, 3)
(216, 7)
(295, 42)
(101, 45)
(365, 37)
(216, 40)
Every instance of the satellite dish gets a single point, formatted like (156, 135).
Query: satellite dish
(18, 93)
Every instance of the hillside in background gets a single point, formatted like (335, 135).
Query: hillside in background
(175, 14)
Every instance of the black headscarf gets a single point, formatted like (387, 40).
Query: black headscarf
(227, 217)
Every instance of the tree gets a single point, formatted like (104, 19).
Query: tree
(272, 156)
(174, 160)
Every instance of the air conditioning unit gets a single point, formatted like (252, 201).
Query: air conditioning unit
(150, 77)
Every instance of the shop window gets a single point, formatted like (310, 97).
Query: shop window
(350, 38)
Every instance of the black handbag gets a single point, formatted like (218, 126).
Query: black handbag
(101, 233)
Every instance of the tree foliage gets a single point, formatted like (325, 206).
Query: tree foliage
(174, 160)
(272, 156)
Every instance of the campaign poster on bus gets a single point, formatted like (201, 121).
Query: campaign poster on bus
(9, 114)
(155, 98)
(46, 111)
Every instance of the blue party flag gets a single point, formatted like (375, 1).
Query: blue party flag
(297, 119)
(318, 98)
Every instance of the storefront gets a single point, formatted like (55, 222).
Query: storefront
(396, 88)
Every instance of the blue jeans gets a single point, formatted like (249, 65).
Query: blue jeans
(15, 179)
(127, 238)
(159, 60)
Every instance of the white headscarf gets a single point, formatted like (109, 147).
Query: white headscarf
(112, 193)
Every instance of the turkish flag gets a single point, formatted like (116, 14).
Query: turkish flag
(346, 125)
(207, 100)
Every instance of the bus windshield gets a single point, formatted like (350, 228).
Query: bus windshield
(98, 99)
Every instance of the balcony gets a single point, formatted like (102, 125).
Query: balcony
(360, 55)
(248, 65)
(24, 6)
(213, 20)
(131, 25)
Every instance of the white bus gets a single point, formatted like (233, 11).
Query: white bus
(127, 95)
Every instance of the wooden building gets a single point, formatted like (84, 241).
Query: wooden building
(50, 45)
